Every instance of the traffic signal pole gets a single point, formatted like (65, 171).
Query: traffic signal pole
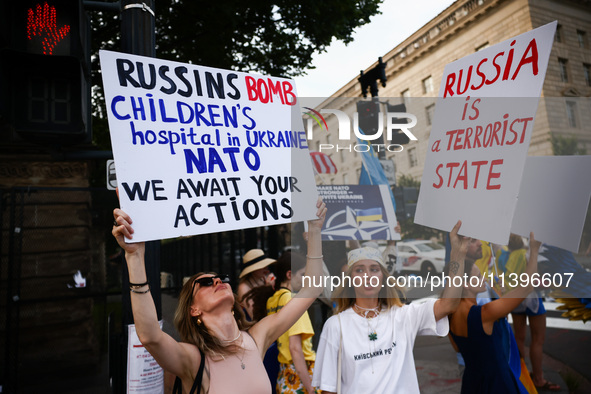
(368, 113)
(369, 80)
(138, 34)
(138, 37)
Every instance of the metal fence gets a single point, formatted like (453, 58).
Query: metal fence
(218, 252)
(53, 283)
(56, 333)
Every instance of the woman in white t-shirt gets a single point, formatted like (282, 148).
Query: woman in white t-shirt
(375, 332)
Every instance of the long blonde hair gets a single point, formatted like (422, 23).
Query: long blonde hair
(344, 296)
(198, 334)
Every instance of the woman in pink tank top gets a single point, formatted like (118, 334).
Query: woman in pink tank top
(211, 322)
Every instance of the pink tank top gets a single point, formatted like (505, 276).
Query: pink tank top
(228, 376)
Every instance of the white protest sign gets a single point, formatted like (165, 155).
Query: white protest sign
(201, 150)
(553, 200)
(144, 374)
(480, 136)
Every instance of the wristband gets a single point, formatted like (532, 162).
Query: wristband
(135, 285)
(314, 257)
(139, 291)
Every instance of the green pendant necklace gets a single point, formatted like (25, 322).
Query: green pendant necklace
(365, 312)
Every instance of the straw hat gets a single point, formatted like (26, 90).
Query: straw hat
(253, 260)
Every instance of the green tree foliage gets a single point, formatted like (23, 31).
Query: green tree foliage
(408, 181)
(566, 145)
(274, 38)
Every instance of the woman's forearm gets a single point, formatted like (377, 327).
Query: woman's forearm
(144, 311)
(312, 282)
(532, 262)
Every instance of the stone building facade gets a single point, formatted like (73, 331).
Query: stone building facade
(415, 67)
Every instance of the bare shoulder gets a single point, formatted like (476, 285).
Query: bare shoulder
(458, 321)
(192, 357)
(189, 348)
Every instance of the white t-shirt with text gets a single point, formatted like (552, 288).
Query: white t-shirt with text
(383, 365)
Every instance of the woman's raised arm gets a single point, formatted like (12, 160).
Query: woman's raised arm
(503, 306)
(271, 327)
(172, 356)
(449, 301)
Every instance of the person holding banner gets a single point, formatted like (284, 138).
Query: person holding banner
(367, 347)
(478, 332)
(220, 352)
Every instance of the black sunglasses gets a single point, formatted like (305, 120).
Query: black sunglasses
(206, 282)
(209, 280)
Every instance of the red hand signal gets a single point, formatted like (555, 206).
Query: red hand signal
(42, 23)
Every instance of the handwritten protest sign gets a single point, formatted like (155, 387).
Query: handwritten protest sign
(201, 150)
(362, 212)
(553, 200)
(478, 145)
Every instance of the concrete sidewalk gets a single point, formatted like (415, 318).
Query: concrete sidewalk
(438, 372)
(436, 377)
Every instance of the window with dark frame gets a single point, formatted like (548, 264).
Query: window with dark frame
(430, 113)
(481, 47)
(558, 35)
(428, 85)
(412, 157)
(582, 38)
(587, 73)
(571, 113)
(562, 65)
(405, 94)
